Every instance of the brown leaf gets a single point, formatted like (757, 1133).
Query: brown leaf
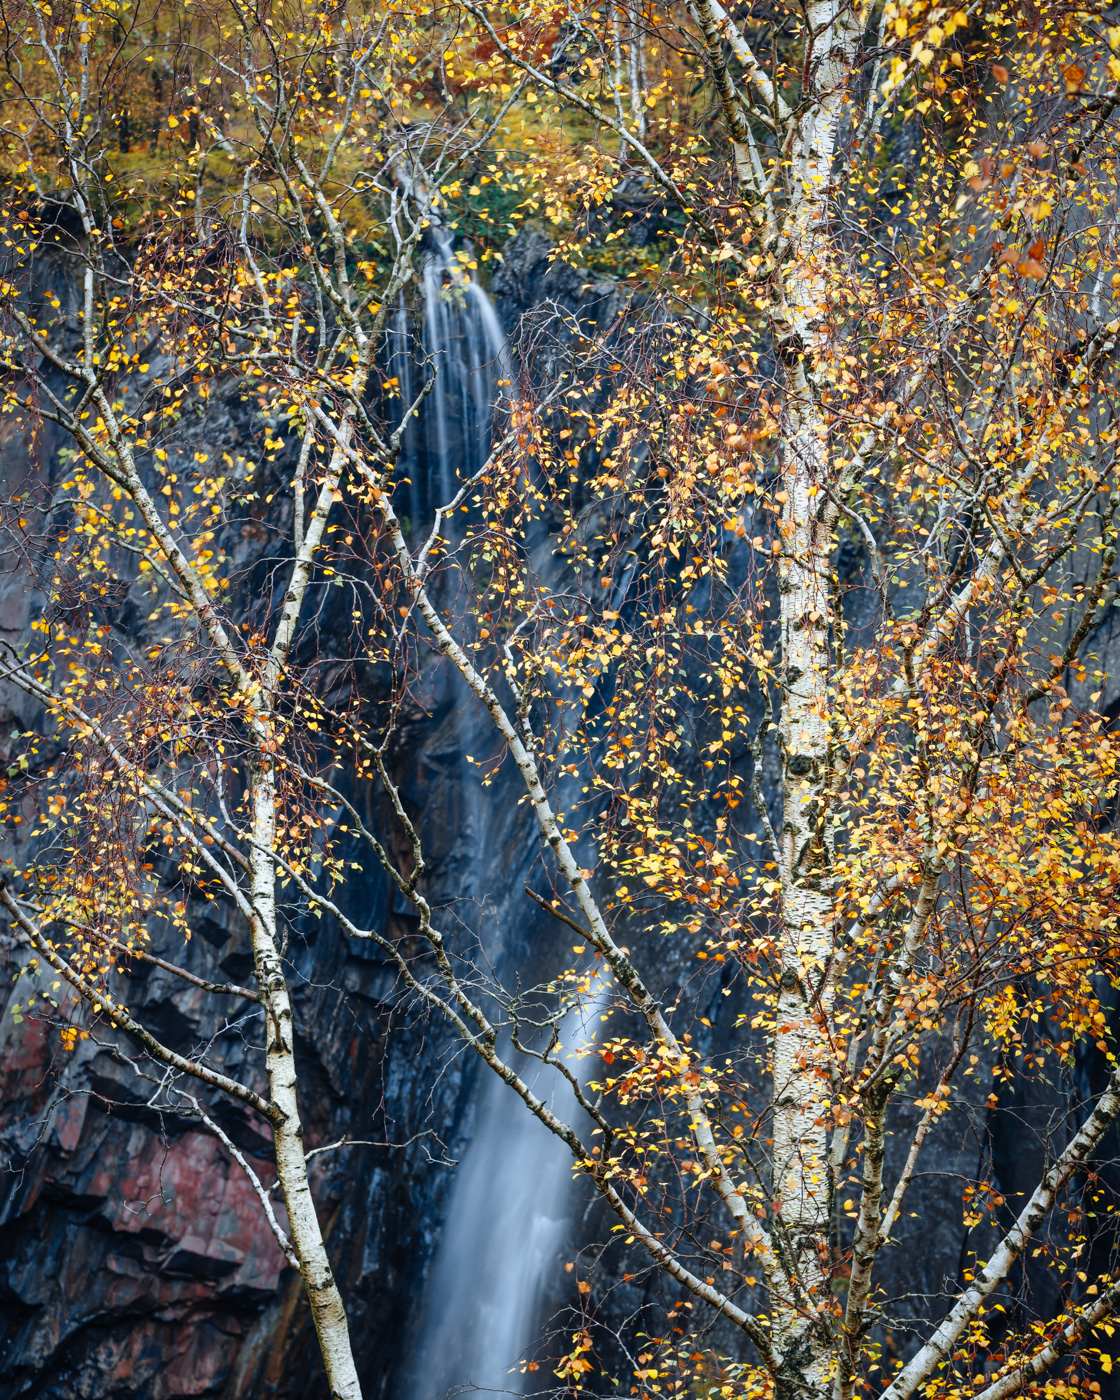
(1074, 76)
(1009, 256)
(1030, 267)
(1037, 248)
(1037, 149)
(1000, 73)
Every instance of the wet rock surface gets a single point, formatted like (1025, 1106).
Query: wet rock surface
(134, 1258)
(135, 1262)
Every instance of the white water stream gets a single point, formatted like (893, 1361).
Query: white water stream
(509, 1209)
(465, 349)
(508, 1219)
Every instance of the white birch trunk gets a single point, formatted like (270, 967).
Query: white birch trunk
(291, 1164)
(802, 1108)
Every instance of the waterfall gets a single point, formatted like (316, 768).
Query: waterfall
(509, 1208)
(464, 347)
(403, 382)
(507, 1220)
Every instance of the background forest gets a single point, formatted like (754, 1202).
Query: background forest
(557, 670)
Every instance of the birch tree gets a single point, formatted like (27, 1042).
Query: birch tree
(829, 344)
(945, 365)
(114, 261)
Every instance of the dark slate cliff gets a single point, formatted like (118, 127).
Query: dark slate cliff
(134, 1261)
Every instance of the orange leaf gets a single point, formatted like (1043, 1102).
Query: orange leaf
(1074, 76)
(1029, 267)
(1000, 73)
(1037, 149)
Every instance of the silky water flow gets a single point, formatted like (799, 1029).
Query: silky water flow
(508, 1218)
(509, 1209)
(464, 349)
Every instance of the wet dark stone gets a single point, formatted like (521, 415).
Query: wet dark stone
(135, 1263)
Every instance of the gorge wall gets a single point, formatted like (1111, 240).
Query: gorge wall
(134, 1261)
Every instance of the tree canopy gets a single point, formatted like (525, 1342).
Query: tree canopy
(783, 598)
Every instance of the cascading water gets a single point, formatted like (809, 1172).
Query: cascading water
(507, 1221)
(509, 1209)
(464, 349)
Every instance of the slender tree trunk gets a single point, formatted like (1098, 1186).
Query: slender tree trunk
(637, 90)
(291, 1163)
(802, 1106)
(800, 1083)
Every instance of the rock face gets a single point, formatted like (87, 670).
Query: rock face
(135, 1263)
(134, 1258)
(532, 289)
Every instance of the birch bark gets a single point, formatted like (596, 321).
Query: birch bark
(802, 1109)
(327, 1307)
